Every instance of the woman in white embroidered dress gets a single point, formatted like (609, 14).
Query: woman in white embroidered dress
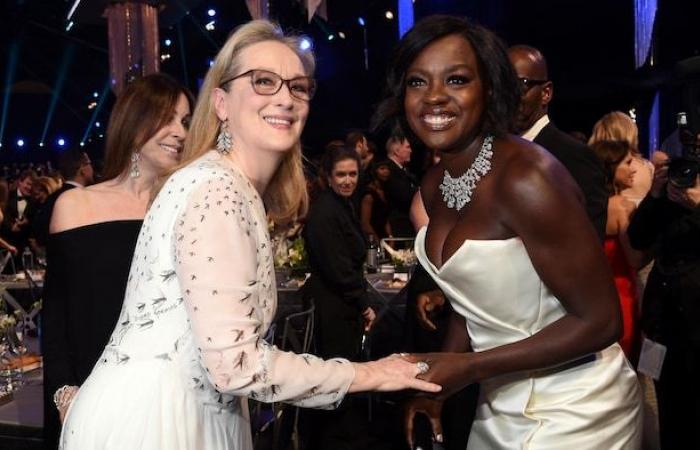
(188, 349)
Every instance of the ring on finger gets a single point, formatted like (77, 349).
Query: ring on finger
(422, 367)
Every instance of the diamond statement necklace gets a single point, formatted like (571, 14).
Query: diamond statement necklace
(457, 192)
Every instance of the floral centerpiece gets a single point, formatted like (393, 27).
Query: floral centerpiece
(402, 259)
(7, 322)
(289, 251)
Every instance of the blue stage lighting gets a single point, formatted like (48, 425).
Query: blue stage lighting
(82, 144)
(361, 21)
(41, 144)
(61, 142)
(168, 42)
(331, 37)
(98, 124)
(20, 142)
(211, 13)
(305, 43)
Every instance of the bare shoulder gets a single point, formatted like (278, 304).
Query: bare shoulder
(526, 169)
(83, 206)
(70, 210)
(532, 186)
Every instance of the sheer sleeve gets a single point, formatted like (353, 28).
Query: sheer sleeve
(218, 251)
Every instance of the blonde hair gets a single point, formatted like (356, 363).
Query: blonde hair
(285, 197)
(616, 126)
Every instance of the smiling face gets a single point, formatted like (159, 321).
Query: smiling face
(270, 123)
(444, 94)
(162, 151)
(343, 178)
(624, 172)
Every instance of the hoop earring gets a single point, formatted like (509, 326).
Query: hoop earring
(134, 169)
(224, 140)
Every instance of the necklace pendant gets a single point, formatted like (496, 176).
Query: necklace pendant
(457, 192)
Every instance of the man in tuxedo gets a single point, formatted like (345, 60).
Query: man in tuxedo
(76, 168)
(18, 211)
(533, 124)
(400, 186)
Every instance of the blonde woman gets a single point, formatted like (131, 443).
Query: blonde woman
(188, 348)
(618, 126)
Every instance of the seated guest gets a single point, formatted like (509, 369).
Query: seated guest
(93, 233)
(374, 209)
(4, 192)
(400, 186)
(19, 209)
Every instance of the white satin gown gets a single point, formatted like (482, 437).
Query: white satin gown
(592, 403)
(187, 350)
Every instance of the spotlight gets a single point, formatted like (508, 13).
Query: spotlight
(92, 105)
(41, 144)
(82, 144)
(168, 42)
(95, 95)
(20, 142)
(97, 124)
(361, 21)
(331, 37)
(305, 44)
(389, 15)
(61, 142)
(102, 135)
(341, 35)
(210, 26)
(211, 13)
(69, 26)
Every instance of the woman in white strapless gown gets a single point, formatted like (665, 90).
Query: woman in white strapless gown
(508, 241)
(188, 349)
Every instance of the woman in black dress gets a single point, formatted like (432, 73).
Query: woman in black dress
(93, 235)
(374, 209)
(337, 287)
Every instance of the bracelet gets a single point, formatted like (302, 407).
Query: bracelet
(58, 396)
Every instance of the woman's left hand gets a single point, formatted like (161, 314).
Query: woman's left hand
(452, 371)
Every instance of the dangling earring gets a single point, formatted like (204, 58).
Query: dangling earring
(224, 140)
(134, 169)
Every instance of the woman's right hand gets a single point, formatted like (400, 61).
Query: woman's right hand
(431, 407)
(393, 373)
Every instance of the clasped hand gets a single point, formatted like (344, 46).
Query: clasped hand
(452, 371)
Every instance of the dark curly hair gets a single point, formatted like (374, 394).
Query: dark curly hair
(497, 74)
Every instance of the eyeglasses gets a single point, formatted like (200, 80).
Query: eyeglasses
(265, 82)
(527, 83)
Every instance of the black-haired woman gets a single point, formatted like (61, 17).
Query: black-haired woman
(536, 313)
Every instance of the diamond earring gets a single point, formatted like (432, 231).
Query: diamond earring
(224, 140)
(134, 169)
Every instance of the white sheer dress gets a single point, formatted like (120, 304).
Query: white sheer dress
(188, 349)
